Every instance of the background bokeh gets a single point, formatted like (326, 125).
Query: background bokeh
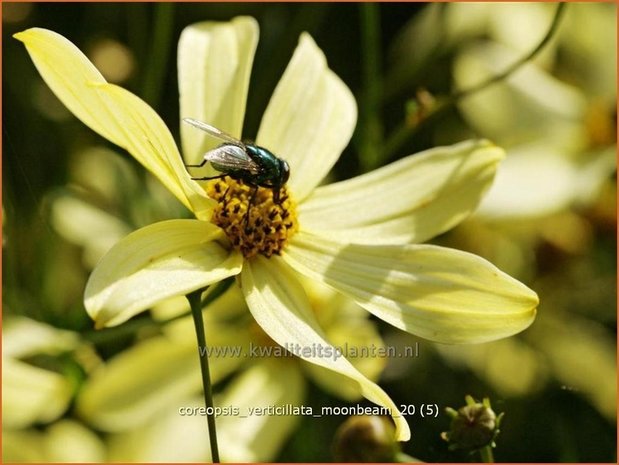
(550, 222)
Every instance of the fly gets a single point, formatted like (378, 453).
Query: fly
(252, 164)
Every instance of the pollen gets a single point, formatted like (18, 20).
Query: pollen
(253, 220)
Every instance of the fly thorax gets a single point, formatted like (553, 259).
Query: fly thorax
(254, 223)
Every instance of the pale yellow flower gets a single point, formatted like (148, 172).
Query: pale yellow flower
(355, 236)
(33, 395)
(61, 442)
(118, 397)
(554, 116)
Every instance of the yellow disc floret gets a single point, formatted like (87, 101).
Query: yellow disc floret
(265, 228)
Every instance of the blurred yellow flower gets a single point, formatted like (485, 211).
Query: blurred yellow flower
(33, 395)
(114, 202)
(118, 398)
(554, 116)
(366, 253)
(61, 442)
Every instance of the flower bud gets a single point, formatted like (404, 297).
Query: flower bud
(365, 439)
(473, 426)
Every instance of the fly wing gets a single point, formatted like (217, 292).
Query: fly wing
(213, 131)
(231, 157)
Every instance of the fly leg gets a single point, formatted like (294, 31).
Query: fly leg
(277, 197)
(197, 166)
(207, 178)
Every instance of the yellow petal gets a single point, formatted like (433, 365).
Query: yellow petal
(115, 114)
(214, 65)
(582, 355)
(518, 25)
(65, 441)
(159, 261)
(254, 435)
(76, 219)
(23, 337)
(528, 105)
(347, 326)
(121, 395)
(70, 75)
(177, 434)
(23, 446)
(411, 200)
(279, 304)
(31, 394)
(69, 441)
(226, 309)
(172, 436)
(310, 118)
(148, 139)
(521, 190)
(511, 366)
(360, 339)
(440, 294)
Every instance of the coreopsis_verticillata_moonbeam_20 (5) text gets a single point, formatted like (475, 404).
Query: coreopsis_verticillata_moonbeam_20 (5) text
(360, 236)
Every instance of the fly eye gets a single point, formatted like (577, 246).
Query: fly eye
(285, 170)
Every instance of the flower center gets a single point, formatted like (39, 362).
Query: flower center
(253, 221)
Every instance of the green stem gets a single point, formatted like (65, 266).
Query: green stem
(196, 311)
(401, 79)
(404, 132)
(157, 66)
(398, 138)
(518, 63)
(137, 28)
(369, 130)
(486, 454)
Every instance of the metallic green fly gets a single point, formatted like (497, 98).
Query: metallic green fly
(252, 164)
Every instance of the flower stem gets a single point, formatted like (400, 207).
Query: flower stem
(196, 311)
(486, 454)
(159, 53)
(369, 130)
(517, 64)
